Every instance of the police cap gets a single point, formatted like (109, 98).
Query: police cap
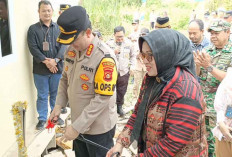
(71, 22)
(162, 22)
(64, 6)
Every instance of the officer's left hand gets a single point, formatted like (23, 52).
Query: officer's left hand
(70, 134)
(204, 59)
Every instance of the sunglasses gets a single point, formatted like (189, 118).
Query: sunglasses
(148, 56)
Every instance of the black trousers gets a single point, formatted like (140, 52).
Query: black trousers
(121, 87)
(83, 149)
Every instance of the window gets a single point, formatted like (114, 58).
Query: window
(5, 29)
(7, 46)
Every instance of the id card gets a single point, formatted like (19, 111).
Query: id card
(45, 46)
(229, 112)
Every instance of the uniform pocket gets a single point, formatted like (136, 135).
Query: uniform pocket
(85, 82)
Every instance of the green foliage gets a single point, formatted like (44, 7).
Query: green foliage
(107, 14)
(215, 4)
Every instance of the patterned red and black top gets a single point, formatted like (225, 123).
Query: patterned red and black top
(184, 131)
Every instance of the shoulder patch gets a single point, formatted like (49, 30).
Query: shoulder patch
(106, 77)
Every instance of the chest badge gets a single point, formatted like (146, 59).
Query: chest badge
(85, 87)
(84, 77)
(71, 54)
(89, 50)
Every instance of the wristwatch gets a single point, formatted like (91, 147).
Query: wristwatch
(57, 60)
(209, 68)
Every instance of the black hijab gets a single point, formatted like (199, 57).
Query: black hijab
(170, 50)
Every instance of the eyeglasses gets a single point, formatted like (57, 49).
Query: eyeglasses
(148, 56)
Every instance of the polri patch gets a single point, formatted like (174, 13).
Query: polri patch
(108, 68)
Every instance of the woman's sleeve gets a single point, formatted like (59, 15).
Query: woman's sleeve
(124, 137)
(182, 120)
(219, 102)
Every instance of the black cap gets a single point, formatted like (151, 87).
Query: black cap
(136, 21)
(64, 6)
(73, 21)
(162, 22)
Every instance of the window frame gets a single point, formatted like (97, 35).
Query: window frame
(11, 57)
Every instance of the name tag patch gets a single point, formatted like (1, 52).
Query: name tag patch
(69, 60)
(86, 68)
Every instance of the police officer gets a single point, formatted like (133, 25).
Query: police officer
(211, 66)
(88, 82)
(126, 57)
(162, 22)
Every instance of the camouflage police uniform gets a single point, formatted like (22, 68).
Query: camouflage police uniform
(221, 59)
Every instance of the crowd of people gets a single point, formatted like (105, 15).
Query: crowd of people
(182, 85)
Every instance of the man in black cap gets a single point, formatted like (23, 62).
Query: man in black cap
(88, 83)
(162, 22)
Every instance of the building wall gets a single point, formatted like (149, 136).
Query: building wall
(16, 83)
(16, 76)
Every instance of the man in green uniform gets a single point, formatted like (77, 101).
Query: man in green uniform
(211, 66)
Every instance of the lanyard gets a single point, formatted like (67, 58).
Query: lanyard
(44, 31)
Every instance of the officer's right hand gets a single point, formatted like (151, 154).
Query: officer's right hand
(54, 116)
(117, 148)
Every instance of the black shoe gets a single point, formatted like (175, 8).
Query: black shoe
(40, 125)
(63, 110)
(60, 122)
(120, 111)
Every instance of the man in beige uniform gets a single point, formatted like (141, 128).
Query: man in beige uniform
(88, 82)
(126, 57)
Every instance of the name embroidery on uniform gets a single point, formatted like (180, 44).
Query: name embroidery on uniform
(86, 68)
(71, 54)
(69, 60)
(89, 50)
(108, 68)
(85, 87)
(84, 77)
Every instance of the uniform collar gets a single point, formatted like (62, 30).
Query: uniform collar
(226, 48)
(92, 47)
(51, 24)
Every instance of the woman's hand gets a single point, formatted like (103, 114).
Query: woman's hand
(226, 131)
(117, 148)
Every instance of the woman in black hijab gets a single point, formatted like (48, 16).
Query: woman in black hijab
(168, 118)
